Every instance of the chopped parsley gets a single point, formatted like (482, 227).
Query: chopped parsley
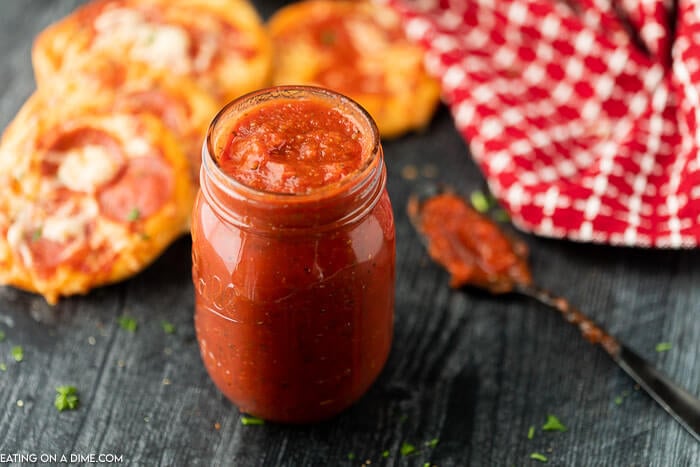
(480, 202)
(432, 443)
(17, 353)
(538, 457)
(128, 323)
(663, 346)
(531, 432)
(133, 215)
(248, 420)
(385, 453)
(351, 456)
(3, 367)
(36, 235)
(67, 398)
(427, 464)
(168, 327)
(618, 400)
(407, 449)
(553, 424)
(2, 335)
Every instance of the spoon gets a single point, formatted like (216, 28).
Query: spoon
(476, 252)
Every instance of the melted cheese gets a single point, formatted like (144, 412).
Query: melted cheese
(161, 45)
(67, 224)
(87, 168)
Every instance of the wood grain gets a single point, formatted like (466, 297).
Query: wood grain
(466, 368)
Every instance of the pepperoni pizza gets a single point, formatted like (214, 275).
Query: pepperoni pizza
(91, 199)
(220, 44)
(358, 49)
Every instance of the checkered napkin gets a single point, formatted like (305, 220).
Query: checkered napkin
(582, 114)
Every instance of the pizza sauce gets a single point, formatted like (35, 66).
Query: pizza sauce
(293, 254)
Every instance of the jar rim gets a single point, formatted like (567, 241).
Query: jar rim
(371, 146)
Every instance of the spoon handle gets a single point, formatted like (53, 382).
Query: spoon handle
(675, 400)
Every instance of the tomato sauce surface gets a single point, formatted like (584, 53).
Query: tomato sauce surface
(292, 147)
(294, 324)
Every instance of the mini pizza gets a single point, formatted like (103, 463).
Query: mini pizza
(358, 49)
(102, 84)
(91, 198)
(220, 44)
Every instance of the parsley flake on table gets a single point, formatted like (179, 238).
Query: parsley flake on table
(3, 367)
(128, 323)
(17, 353)
(432, 443)
(168, 327)
(663, 346)
(385, 453)
(2, 335)
(531, 432)
(407, 449)
(351, 456)
(479, 201)
(553, 424)
(248, 420)
(67, 398)
(538, 457)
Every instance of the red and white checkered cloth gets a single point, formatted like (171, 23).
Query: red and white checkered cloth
(582, 114)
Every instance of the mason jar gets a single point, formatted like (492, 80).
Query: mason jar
(293, 252)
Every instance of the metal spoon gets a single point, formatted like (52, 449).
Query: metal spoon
(512, 275)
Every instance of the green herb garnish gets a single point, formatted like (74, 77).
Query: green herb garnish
(128, 323)
(538, 457)
(553, 424)
(432, 443)
(248, 420)
(618, 400)
(351, 456)
(17, 353)
(480, 201)
(2, 335)
(531, 432)
(3, 367)
(36, 235)
(67, 398)
(407, 449)
(663, 346)
(385, 453)
(133, 215)
(168, 327)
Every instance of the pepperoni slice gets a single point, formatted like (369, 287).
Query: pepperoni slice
(172, 112)
(58, 236)
(142, 190)
(82, 159)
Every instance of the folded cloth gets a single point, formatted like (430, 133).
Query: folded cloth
(582, 114)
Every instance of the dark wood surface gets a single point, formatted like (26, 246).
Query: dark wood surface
(466, 368)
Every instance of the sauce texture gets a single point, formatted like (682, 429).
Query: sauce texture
(469, 245)
(294, 323)
(292, 147)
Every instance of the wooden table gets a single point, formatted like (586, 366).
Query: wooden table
(472, 371)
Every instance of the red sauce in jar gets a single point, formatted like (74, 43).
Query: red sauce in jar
(292, 147)
(294, 275)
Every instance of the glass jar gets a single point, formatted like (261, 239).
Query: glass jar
(294, 291)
